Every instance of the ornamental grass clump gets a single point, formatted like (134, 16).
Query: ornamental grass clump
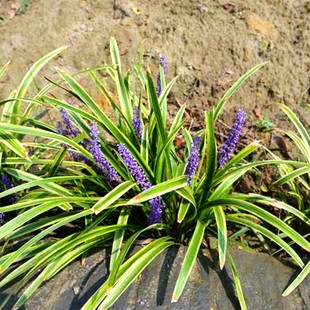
(297, 183)
(147, 188)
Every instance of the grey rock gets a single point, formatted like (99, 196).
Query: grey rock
(263, 280)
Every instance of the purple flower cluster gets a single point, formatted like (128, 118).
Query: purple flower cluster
(133, 167)
(135, 170)
(136, 122)
(95, 148)
(157, 207)
(163, 62)
(69, 129)
(7, 184)
(233, 137)
(2, 215)
(193, 160)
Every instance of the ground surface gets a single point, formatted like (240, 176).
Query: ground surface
(209, 43)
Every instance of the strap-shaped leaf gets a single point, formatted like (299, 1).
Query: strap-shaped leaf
(13, 144)
(236, 218)
(160, 189)
(112, 196)
(298, 124)
(237, 282)
(189, 260)
(211, 157)
(221, 234)
(106, 295)
(122, 91)
(303, 274)
(234, 87)
(265, 216)
(13, 109)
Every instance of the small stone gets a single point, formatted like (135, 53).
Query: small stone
(76, 290)
(261, 26)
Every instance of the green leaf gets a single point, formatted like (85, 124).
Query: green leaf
(117, 269)
(211, 157)
(134, 271)
(252, 147)
(119, 236)
(43, 134)
(221, 234)
(236, 218)
(299, 126)
(25, 217)
(189, 260)
(160, 189)
(60, 247)
(303, 274)
(33, 180)
(112, 196)
(274, 203)
(183, 209)
(104, 121)
(13, 144)
(237, 282)
(106, 296)
(265, 216)
(187, 193)
(122, 91)
(14, 108)
(3, 69)
(234, 87)
(152, 98)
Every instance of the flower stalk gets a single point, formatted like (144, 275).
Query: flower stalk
(108, 171)
(193, 160)
(163, 62)
(137, 123)
(157, 205)
(233, 137)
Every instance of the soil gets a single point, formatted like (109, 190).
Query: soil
(210, 44)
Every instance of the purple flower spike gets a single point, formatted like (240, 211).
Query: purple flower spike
(95, 148)
(133, 167)
(2, 215)
(158, 86)
(193, 160)
(164, 64)
(135, 170)
(233, 137)
(136, 121)
(157, 207)
(70, 129)
(7, 184)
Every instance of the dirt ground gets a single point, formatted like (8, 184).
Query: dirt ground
(209, 43)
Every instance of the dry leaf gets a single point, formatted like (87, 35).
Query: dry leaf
(257, 112)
